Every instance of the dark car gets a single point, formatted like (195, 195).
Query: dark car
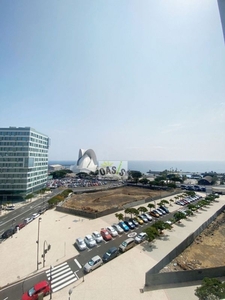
(164, 208)
(134, 221)
(130, 224)
(110, 254)
(7, 233)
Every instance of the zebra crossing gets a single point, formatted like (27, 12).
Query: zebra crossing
(60, 276)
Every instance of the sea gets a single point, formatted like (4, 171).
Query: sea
(159, 166)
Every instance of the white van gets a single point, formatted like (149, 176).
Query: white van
(127, 244)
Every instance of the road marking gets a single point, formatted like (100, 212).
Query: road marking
(132, 234)
(60, 276)
(77, 262)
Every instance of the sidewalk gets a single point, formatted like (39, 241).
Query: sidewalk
(123, 278)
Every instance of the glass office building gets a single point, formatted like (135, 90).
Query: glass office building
(23, 162)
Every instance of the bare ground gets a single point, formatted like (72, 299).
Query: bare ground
(205, 252)
(102, 200)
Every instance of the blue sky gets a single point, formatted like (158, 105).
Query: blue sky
(133, 80)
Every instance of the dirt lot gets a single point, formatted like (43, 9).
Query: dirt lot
(206, 251)
(102, 200)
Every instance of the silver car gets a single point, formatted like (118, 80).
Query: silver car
(112, 231)
(97, 236)
(80, 244)
(93, 264)
(142, 236)
(90, 241)
(147, 216)
(118, 228)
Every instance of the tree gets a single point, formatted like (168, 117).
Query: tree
(135, 175)
(119, 216)
(144, 180)
(192, 207)
(60, 173)
(171, 201)
(151, 232)
(127, 211)
(133, 211)
(151, 205)
(142, 209)
(164, 202)
(159, 225)
(209, 287)
(179, 216)
(189, 212)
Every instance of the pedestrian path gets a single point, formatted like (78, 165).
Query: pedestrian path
(60, 276)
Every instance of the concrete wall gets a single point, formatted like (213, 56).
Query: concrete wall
(163, 279)
(153, 278)
(85, 214)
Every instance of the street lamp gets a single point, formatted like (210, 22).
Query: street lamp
(39, 221)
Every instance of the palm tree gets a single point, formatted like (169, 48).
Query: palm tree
(151, 205)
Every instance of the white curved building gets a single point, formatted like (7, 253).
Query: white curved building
(87, 162)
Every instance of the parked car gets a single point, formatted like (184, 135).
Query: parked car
(124, 226)
(142, 236)
(127, 244)
(93, 264)
(42, 287)
(35, 215)
(110, 254)
(7, 233)
(112, 231)
(89, 240)
(27, 220)
(147, 216)
(97, 236)
(153, 213)
(145, 220)
(130, 224)
(139, 220)
(135, 222)
(105, 234)
(161, 210)
(80, 244)
(165, 209)
(118, 228)
(18, 227)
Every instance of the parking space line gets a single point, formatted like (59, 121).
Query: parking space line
(77, 262)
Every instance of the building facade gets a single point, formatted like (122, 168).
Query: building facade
(221, 4)
(23, 162)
